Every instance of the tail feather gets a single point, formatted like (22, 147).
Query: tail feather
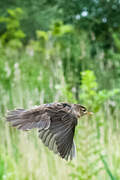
(28, 119)
(15, 117)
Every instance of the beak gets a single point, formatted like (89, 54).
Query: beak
(89, 113)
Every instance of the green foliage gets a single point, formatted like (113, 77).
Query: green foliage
(58, 65)
(2, 168)
(59, 29)
(90, 93)
(13, 34)
(89, 165)
(42, 34)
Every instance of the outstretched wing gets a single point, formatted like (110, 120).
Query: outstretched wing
(56, 125)
(59, 136)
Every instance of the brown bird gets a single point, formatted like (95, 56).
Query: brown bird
(56, 123)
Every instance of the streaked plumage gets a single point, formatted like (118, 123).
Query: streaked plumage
(56, 123)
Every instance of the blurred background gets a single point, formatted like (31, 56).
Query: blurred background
(60, 50)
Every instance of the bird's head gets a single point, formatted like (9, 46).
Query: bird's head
(81, 110)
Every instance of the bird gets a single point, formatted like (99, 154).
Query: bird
(55, 122)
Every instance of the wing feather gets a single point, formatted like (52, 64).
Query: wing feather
(56, 124)
(48, 139)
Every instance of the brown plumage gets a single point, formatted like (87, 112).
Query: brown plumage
(56, 123)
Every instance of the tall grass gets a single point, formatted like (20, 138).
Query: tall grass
(23, 156)
(49, 70)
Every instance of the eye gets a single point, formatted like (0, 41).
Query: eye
(84, 110)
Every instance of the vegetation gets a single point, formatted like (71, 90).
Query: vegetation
(59, 60)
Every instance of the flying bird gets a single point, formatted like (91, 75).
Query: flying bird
(56, 123)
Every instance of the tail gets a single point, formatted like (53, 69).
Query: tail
(28, 119)
(15, 117)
